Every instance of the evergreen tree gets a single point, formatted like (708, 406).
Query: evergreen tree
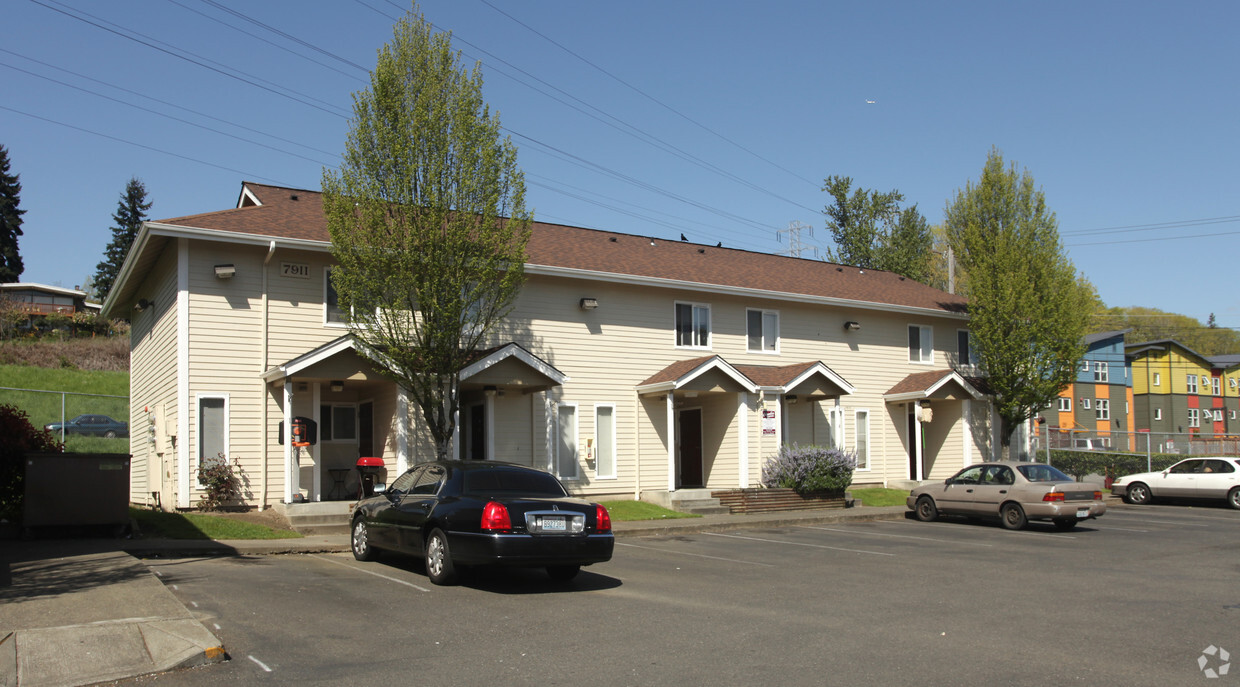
(129, 216)
(10, 221)
(871, 231)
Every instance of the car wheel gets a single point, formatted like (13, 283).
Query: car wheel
(563, 573)
(1233, 498)
(1138, 494)
(926, 511)
(360, 541)
(1013, 516)
(438, 560)
(111, 434)
(1065, 525)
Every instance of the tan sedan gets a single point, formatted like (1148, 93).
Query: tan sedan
(1012, 491)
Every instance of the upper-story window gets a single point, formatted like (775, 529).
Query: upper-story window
(1194, 418)
(964, 348)
(1157, 379)
(763, 330)
(1191, 384)
(1102, 409)
(1216, 385)
(1101, 373)
(1065, 404)
(1084, 366)
(920, 344)
(693, 325)
(332, 312)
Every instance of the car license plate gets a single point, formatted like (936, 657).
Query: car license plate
(1082, 513)
(554, 523)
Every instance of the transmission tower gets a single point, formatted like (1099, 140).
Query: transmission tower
(795, 245)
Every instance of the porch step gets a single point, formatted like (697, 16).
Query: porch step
(697, 502)
(323, 517)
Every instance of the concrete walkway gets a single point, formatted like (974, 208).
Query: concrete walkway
(81, 611)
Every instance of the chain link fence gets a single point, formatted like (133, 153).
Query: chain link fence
(1087, 453)
(85, 423)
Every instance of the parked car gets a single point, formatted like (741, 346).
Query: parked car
(91, 426)
(1014, 492)
(1206, 477)
(462, 513)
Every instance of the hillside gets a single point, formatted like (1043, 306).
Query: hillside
(107, 354)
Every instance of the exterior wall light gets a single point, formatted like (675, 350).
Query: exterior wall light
(588, 303)
(851, 326)
(337, 386)
(225, 271)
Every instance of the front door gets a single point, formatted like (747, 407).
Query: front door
(476, 432)
(690, 448)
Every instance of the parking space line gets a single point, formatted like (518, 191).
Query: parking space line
(1121, 529)
(793, 543)
(697, 555)
(898, 536)
(1160, 522)
(371, 572)
(1002, 531)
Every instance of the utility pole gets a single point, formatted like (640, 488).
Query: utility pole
(795, 245)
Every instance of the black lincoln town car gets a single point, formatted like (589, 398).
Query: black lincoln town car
(464, 513)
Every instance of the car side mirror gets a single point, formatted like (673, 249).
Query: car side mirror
(380, 487)
(949, 480)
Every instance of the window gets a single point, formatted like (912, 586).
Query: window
(964, 351)
(1158, 413)
(920, 344)
(1218, 416)
(1084, 366)
(835, 427)
(1194, 417)
(863, 439)
(1191, 382)
(428, 480)
(337, 422)
(212, 427)
(1065, 404)
(763, 328)
(605, 441)
(1157, 379)
(332, 312)
(1231, 415)
(1216, 385)
(1102, 409)
(566, 441)
(692, 325)
(1101, 373)
(1084, 404)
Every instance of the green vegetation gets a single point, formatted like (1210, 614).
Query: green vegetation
(45, 408)
(157, 525)
(622, 511)
(877, 496)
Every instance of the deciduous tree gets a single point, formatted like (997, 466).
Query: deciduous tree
(871, 231)
(1028, 307)
(427, 218)
(130, 214)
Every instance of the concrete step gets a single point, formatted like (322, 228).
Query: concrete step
(697, 502)
(321, 517)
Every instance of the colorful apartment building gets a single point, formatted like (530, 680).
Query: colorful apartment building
(1097, 405)
(1177, 390)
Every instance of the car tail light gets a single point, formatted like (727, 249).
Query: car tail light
(603, 518)
(1053, 496)
(1097, 496)
(495, 517)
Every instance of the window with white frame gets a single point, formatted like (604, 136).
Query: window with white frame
(332, 312)
(1231, 415)
(692, 325)
(862, 426)
(605, 441)
(566, 441)
(1194, 417)
(1216, 385)
(338, 422)
(1157, 379)
(1218, 416)
(1191, 384)
(1085, 366)
(212, 427)
(1101, 373)
(964, 348)
(835, 427)
(920, 344)
(1084, 404)
(1102, 409)
(1065, 404)
(1158, 413)
(763, 330)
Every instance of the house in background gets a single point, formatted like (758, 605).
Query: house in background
(631, 367)
(1097, 406)
(41, 300)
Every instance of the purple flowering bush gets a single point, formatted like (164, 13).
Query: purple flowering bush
(810, 468)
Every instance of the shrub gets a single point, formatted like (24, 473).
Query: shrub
(17, 438)
(1082, 463)
(221, 483)
(810, 468)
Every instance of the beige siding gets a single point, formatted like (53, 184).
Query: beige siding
(153, 409)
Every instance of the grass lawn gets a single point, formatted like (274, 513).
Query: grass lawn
(156, 525)
(640, 510)
(880, 497)
(45, 408)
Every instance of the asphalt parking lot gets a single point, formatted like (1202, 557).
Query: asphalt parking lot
(1138, 597)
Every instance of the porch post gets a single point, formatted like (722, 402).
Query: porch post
(742, 443)
(290, 472)
(402, 430)
(315, 451)
(671, 441)
(488, 411)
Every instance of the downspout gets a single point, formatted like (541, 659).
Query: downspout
(262, 394)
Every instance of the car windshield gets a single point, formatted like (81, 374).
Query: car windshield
(1042, 473)
(512, 481)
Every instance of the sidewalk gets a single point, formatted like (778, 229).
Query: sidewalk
(81, 611)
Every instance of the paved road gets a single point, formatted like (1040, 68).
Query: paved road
(1131, 599)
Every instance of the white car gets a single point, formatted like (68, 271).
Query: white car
(1206, 477)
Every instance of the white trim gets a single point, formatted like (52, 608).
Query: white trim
(742, 444)
(926, 393)
(925, 331)
(598, 442)
(763, 312)
(316, 450)
(290, 475)
(671, 442)
(869, 445)
(185, 445)
(714, 363)
(710, 326)
(198, 398)
(820, 368)
(559, 460)
(512, 350)
(966, 411)
(402, 430)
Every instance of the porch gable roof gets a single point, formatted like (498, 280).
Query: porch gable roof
(932, 384)
(784, 378)
(683, 372)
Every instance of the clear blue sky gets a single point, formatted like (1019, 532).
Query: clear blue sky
(716, 120)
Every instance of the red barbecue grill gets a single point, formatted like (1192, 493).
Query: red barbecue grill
(368, 469)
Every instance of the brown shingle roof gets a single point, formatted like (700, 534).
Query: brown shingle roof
(298, 214)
